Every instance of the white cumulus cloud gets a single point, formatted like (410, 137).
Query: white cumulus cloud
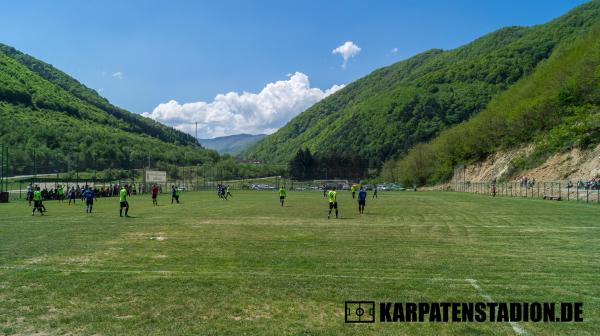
(118, 75)
(347, 51)
(246, 112)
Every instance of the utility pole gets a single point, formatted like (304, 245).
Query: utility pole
(34, 166)
(2, 169)
(196, 131)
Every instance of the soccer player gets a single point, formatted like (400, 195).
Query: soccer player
(227, 192)
(154, 195)
(353, 189)
(362, 200)
(332, 196)
(123, 201)
(72, 195)
(30, 193)
(89, 199)
(281, 195)
(42, 198)
(375, 192)
(174, 194)
(37, 201)
(60, 191)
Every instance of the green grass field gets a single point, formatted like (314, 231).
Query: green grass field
(248, 266)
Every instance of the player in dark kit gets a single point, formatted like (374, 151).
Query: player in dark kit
(362, 200)
(174, 194)
(88, 194)
(154, 195)
(30, 191)
(72, 195)
(332, 197)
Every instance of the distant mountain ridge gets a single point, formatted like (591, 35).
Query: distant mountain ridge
(231, 144)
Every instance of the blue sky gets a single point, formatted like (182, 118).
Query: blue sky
(190, 51)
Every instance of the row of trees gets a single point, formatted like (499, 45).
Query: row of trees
(305, 166)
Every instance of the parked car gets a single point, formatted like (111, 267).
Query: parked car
(261, 187)
(396, 187)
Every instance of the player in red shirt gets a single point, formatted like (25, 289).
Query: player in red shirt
(154, 195)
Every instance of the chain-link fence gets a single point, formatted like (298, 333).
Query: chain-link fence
(581, 192)
(200, 181)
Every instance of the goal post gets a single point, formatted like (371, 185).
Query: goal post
(154, 177)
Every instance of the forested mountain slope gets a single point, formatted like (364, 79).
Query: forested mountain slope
(68, 123)
(554, 110)
(384, 114)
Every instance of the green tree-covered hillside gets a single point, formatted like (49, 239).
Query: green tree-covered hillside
(555, 109)
(384, 114)
(65, 122)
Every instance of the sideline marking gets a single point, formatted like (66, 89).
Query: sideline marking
(516, 327)
(226, 273)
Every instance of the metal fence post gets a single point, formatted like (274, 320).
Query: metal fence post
(587, 194)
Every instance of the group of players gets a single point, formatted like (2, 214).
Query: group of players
(223, 192)
(331, 195)
(88, 196)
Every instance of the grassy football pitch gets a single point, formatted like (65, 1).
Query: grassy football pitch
(249, 266)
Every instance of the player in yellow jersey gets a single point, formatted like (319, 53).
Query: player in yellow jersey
(332, 197)
(123, 201)
(282, 195)
(37, 201)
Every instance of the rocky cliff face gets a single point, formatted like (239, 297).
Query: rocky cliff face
(573, 165)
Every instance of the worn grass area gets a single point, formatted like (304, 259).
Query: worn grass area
(248, 266)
